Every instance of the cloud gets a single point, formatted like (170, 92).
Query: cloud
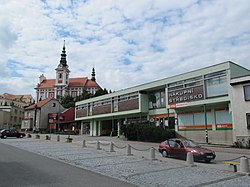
(128, 43)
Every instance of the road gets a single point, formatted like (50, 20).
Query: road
(23, 168)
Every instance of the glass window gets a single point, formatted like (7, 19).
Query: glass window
(216, 86)
(157, 99)
(248, 120)
(247, 92)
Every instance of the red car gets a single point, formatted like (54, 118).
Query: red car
(179, 147)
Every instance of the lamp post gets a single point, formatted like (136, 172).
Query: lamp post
(205, 116)
(34, 127)
(58, 121)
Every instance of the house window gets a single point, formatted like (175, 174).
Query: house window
(247, 92)
(60, 75)
(248, 120)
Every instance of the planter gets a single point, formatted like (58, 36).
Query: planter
(69, 140)
(47, 137)
(37, 136)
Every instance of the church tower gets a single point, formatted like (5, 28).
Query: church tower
(62, 75)
(93, 74)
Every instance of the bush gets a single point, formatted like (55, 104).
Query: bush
(146, 132)
(240, 144)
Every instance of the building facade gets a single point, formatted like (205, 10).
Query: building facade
(12, 109)
(64, 121)
(63, 85)
(197, 104)
(241, 108)
(36, 115)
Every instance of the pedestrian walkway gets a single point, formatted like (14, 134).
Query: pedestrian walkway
(135, 169)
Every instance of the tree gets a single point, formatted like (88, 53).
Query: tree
(101, 92)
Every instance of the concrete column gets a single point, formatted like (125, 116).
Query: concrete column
(152, 153)
(111, 147)
(244, 165)
(129, 150)
(83, 143)
(81, 131)
(190, 159)
(91, 128)
(98, 145)
(213, 119)
(118, 129)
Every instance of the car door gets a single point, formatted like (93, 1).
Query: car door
(7, 133)
(14, 133)
(181, 151)
(173, 148)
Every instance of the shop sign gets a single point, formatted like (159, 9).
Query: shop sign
(186, 95)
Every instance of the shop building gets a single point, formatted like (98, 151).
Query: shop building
(199, 105)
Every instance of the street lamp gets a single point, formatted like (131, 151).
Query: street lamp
(205, 116)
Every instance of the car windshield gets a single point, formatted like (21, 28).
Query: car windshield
(189, 143)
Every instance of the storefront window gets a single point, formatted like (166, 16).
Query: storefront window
(157, 99)
(247, 93)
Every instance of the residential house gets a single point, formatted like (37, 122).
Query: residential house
(36, 115)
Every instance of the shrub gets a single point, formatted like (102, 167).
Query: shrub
(146, 132)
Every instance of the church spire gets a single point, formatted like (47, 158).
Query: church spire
(93, 74)
(63, 60)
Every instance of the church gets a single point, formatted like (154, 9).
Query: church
(63, 85)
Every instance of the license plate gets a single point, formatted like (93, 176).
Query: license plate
(209, 156)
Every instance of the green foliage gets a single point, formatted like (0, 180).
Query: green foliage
(146, 132)
(101, 92)
(239, 144)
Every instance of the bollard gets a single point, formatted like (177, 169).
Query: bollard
(129, 150)
(244, 165)
(190, 159)
(111, 147)
(98, 145)
(84, 143)
(58, 138)
(152, 153)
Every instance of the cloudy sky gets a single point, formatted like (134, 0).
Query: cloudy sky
(128, 42)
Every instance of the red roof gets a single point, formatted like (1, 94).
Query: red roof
(73, 82)
(77, 82)
(48, 83)
(39, 104)
(91, 83)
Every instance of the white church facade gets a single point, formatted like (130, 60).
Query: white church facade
(63, 85)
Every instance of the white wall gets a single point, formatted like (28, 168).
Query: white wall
(240, 108)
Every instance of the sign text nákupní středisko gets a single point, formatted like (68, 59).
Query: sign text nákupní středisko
(186, 95)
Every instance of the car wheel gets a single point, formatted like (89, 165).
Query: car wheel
(4, 136)
(165, 153)
(21, 136)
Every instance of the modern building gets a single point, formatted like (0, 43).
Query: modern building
(199, 105)
(36, 115)
(12, 109)
(63, 85)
